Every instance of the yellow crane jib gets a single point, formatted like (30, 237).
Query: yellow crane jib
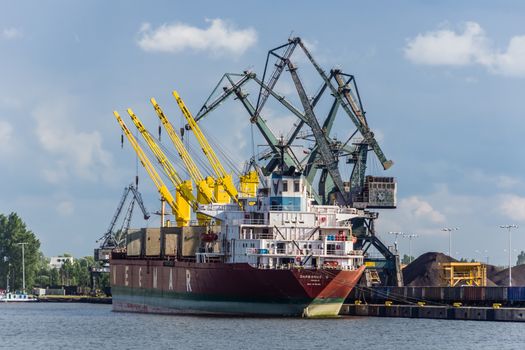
(205, 186)
(223, 178)
(184, 188)
(150, 169)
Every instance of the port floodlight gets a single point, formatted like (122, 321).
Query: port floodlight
(509, 228)
(410, 237)
(396, 233)
(449, 230)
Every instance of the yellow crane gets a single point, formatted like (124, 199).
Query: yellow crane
(164, 192)
(224, 180)
(248, 183)
(185, 197)
(205, 186)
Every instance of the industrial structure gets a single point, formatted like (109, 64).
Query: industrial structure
(465, 274)
(115, 236)
(300, 225)
(326, 154)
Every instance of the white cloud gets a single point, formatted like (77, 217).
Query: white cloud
(219, 38)
(57, 174)
(512, 61)
(419, 209)
(445, 47)
(280, 124)
(65, 208)
(469, 47)
(78, 153)
(500, 181)
(512, 207)
(9, 144)
(11, 33)
(6, 133)
(507, 182)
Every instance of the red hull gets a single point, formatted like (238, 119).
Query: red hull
(174, 287)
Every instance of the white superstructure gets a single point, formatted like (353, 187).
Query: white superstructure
(281, 228)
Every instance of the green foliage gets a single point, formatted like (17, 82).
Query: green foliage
(521, 258)
(407, 259)
(76, 273)
(12, 232)
(37, 269)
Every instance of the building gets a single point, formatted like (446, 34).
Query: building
(56, 262)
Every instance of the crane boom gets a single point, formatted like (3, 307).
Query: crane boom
(150, 169)
(204, 185)
(223, 177)
(184, 188)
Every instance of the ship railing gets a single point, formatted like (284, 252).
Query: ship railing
(255, 235)
(254, 222)
(218, 207)
(208, 257)
(306, 267)
(285, 208)
(323, 210)
(348, 210)
(354, 254)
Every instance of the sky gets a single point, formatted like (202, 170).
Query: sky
(442, 84)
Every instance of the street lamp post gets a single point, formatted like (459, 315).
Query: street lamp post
(509, 227)
(481, 256)
(395, 240)
(23, 267)
(449, 230)
(410, 245)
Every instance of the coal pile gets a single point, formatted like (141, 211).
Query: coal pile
(501, 276)
(427, 271)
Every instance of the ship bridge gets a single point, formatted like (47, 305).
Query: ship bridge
(288, 192)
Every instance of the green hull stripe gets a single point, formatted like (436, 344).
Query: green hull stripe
(119, 291)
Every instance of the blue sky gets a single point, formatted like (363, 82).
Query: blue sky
(442, 84)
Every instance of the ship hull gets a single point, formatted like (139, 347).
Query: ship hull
(168, 287)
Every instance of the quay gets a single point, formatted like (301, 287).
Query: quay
(445, 312)
(74, 299)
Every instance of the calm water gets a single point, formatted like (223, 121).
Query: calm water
(85, 326)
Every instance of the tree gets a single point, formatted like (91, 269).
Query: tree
(521, 258)
(76, 273)
(43, 276)
(13, 231)
(407, 259)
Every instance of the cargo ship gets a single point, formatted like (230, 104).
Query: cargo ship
(273, 254)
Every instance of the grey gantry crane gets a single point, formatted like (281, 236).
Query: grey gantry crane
(116, 238)
(322, 165)
(113, 239)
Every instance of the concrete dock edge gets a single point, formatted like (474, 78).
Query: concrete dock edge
(436, 312)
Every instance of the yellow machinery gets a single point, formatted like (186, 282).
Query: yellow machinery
(224, 184)
(463, 273)
(205, 186)
(180, 216)
(249, 182)
(184, 196)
